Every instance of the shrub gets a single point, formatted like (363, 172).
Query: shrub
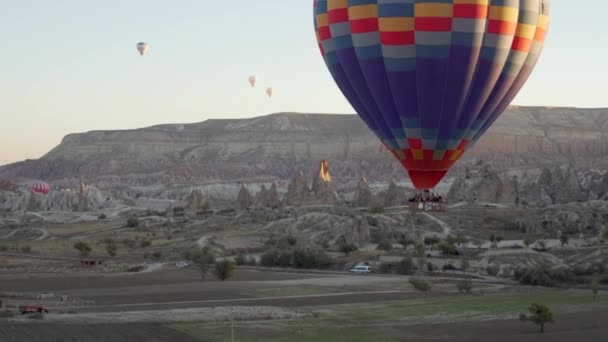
(493, 269)
(26, 249)
(543, 275)
(385, 245)
(145, 243)
(447, 248)
(157, 254)
(465, 285)
(430, 267)
(347, 248)
(406, 266)
(385, 268)
(132, 222)
(224, 270)
(129, 243)
(306, 258)
(431, 241)
(240, 259)
(376, 208)
(102, 217)
(83, 248)
(3, 248)
(420, 284)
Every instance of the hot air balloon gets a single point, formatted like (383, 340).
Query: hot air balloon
(40, 187)
(252, 80)
(142, 48)
(430, 77)
(269, 92)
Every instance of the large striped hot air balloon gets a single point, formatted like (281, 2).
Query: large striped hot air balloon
(40, 187)
(429, 77)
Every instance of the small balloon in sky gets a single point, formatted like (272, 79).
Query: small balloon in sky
(142, 48)
(252, 80)
(269, 92)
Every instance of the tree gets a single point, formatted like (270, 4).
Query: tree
(447, 248)
(347, 248)
(564, 239)
(595, 286)
(202, 259)
(420, 284)
(529, 240)
(464, 261)
(224, 270)
(83, 248)
(539, 314)
(406, 266)
(421, 257)
(132, 222)
(431, 241)
(111, 248)
(465, 285)
(385, 245)
(495, 240)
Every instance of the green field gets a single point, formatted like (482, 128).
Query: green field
(382, 321)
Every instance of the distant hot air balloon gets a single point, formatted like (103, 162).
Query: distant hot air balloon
(252, 80)
(40, 187)
(269, 92)
(430, 77)
(142, 48)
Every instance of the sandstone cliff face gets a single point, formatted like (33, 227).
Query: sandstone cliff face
(280, 144)
(395, 196)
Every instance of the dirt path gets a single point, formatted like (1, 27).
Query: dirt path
(446, 227)
(44, 232)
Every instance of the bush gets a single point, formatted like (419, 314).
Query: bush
(102, 217)
(385, 245)
(157, 254)
(83, 248)
(420, 285)
(26, 249)
(447, 248)
(430, 267)
(431, 241)
(3, 248)
(376, 208)
(543, 275)
(129, 243)
(145, 243)
(132, 222)
(406, 266)
(240, 259)
(493, 270)
(465, 285)
(224, 270)
(347, 248)
(385, 268)
(306, 258)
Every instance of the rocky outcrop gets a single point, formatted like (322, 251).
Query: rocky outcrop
(244, 200)
(569, 188)
(489, 189)
(322, 190)
(359, 233)
(6, 185)
(268, 198)
(64, 200)
(363, 194)
(198, 200)
(394, 196)
(458, 190)
(298, 191)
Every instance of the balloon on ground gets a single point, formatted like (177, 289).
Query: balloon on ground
(430, 77)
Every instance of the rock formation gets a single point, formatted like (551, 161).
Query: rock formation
(64, 200)
(322, 189)
(363, 194)
(458, 190)
(6, 185)
(569, 188)
(244, 200)
(197, 200)
(298, 191)
(395, 195)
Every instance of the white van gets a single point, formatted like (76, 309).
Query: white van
(361, 269)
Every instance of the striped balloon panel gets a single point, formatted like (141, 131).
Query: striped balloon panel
(428, 77)
(40, 187)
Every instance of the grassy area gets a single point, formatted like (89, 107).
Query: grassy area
(386, 321)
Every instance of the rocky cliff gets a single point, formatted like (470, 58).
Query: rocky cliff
(279, 145)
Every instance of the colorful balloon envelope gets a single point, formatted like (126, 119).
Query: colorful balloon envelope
(429, 77)
(40, 187)
(252, 80)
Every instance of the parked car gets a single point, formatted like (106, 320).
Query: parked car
(361, 269)
(182, 264)
(32, 309)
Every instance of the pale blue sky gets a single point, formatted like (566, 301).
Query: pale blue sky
(71, 65)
